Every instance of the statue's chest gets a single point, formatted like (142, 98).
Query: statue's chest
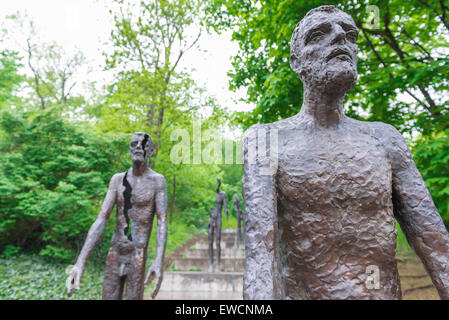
(141, 194)
(333, 170)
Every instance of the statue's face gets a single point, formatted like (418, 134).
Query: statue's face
(325, 51)
(140, 147)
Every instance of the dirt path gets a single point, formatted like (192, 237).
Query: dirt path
(415, 282)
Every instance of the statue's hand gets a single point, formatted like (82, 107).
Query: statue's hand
(155, 272)
(73, 280)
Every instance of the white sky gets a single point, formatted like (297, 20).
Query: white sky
(86, 24)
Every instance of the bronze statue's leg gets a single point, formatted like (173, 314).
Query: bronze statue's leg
(211, 246)
(217, 241)
(135, 279)
(113, 283)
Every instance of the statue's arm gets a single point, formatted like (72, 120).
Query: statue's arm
(97, 228)
(417, 215)
(156, 269)
(94, 234)
(161, 213)
(260, 278)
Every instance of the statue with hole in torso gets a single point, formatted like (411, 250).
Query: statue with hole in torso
(321, 224)
(215, 227)
(139, 194)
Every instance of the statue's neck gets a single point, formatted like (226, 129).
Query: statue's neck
(324, 107)
(139, 168)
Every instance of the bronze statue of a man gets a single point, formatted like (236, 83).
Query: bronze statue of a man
(322, 223)
(238, 211)
(139, 194)
(215, 227)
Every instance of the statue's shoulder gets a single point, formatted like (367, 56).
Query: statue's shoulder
(387, 135)
(158, 178)
(118, 178)
(380, 130)
(278, 126)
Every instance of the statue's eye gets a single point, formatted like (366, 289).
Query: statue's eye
(352, 36)
(315, 37)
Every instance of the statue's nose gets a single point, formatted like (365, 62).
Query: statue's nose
(339, 34)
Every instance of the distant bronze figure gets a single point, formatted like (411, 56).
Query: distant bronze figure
(239, 219)
(139, 194)
(215, 227)
(322, 224)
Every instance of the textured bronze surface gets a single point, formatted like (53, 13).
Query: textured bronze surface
(318, 224)
(215, 227)
(238, 211)
(138, 193)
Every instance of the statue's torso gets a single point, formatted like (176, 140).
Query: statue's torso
(141, 213)
(219, 200)
(335, 214)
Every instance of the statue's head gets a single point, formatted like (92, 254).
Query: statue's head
(141, 147)
(218, 184)
(323, 49)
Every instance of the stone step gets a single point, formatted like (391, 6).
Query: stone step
(205, 244)
(201, 264)
(225, 253)
(178, 281)
(196, 295)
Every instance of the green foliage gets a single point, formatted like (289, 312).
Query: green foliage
(431, 155)
(53, 176)
(31, 277)
(9, 76)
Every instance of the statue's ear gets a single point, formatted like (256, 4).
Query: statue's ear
(150, 152)
(294, 63)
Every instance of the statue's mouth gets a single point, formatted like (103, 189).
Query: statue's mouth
(339, 52)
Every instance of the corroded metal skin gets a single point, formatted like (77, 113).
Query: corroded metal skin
(215, 227)
(326, 215)
(239, 219)
(139, 194)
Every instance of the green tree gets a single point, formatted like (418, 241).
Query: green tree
(53, 73)
(10, 78)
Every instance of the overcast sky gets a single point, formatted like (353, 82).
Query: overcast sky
(86, 24)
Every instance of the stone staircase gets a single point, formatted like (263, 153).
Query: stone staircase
(191, 279)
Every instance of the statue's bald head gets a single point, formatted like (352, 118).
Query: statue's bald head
(141, 146)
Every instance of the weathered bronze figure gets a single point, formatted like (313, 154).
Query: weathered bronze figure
(138, 193)
(239, 219)
(320, 223)
(215, 227)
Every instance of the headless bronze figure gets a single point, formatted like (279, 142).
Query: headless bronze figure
(325, 217)
(139, 194)
(239, 219)
(215, 227)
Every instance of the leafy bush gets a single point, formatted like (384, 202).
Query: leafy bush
(25, 277)
(53, 177)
